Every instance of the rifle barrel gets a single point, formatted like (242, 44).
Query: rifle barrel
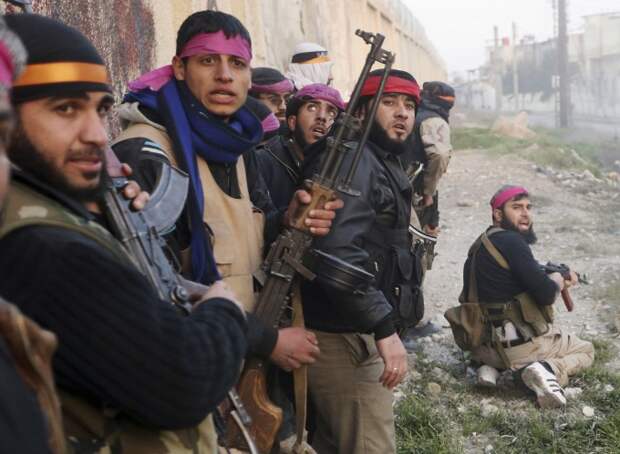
(370, 118)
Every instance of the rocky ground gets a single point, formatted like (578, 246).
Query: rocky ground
(577, 223)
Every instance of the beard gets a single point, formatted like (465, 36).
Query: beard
(379, 137)
(25, 155)
(529, 235)
(298, 137)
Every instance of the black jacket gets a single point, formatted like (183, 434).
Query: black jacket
(498, 285)
(119, 345)
(384, 191)
(280, 169)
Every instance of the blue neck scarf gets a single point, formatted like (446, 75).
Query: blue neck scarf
(195, 131)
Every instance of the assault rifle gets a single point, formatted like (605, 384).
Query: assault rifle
(564, 270)
(291, 255)
(141, 234)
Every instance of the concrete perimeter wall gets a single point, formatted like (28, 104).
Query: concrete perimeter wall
(137, 35)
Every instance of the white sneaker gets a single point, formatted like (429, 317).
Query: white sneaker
(487, 376)
(548, 391)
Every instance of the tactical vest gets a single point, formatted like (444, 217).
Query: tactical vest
(474, 323)
(89, 428)
(394, 259)
(236, 226)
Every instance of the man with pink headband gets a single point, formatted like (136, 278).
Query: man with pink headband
(271, 88)
(193, 114)
(310, 114)
(503, 281)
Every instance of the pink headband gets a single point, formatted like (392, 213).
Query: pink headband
(323, 92)
(203, 43)
(284, 86)
(499, 199)
(270, 123)
(217, 43)
(6, 66)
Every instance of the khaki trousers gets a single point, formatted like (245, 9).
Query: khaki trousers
(565, 353)
(353, 410)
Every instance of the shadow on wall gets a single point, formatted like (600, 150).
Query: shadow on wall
(122, 30)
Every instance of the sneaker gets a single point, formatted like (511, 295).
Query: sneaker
(548, 391)
(487, 376)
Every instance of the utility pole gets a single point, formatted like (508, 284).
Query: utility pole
(562, 52)
(515, 73)
(497, 71)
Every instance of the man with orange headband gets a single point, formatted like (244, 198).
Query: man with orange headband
(431, 151)
(362, 357)
(513, 297)
(135, 375)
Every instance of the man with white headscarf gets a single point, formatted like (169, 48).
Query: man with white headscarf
(310, 64)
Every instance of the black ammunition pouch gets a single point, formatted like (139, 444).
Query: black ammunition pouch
(396, 263)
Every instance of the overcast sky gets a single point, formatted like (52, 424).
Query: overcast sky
(460, 29)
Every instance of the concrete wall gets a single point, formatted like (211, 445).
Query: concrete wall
(137, 35)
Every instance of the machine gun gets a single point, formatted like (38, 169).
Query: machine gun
(564, 270)
(141, 234)
(291, 255)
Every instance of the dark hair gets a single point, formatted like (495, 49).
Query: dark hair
(210, 22)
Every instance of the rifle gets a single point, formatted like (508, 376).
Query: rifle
(291, 256)
(564, 270)
(141, 234)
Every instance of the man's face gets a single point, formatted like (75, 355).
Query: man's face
(6, 127)
(517, 215)
(61, 140)
(221, 82)
(312, 121)
(276, 103)
(396, 115)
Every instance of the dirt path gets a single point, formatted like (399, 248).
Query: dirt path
(577, 223)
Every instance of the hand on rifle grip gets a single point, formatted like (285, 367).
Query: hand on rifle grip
(294, 348)
(313, 211)
(133, 192)
(220, 289)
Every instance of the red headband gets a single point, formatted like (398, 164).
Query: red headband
(499, 199)
(393, 84)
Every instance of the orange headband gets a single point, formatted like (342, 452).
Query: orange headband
(62, 72)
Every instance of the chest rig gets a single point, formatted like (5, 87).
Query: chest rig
(474, 323)
(394, 258)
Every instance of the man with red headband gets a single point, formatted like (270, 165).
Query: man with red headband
(310, 114)
(503, 281)
(362, 357)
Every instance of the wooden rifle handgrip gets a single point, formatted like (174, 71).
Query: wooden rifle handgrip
(320, 196)
(568, 301)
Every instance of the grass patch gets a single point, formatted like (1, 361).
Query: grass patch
(424, 427)
(547, 149)
(445, 424)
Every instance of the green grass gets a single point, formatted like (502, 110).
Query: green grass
(547, 149)
(435, 425)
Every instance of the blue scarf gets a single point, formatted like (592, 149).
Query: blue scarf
(195, 131)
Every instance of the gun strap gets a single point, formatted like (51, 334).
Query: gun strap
(300, 377)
